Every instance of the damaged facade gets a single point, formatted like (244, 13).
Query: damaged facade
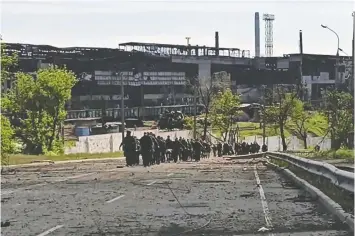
(156, 74)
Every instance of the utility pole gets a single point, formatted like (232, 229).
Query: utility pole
(142, 96)
(337, 82)
(301, 67)
(195, 111)
(122, 106)
(263, 113)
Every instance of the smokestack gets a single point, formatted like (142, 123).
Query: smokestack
(301, 43)
(217, 43)
(257, 35)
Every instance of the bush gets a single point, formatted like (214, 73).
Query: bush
(344, 154)
(188, 122)
(7, 141)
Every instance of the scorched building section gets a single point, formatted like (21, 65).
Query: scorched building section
(149, 79)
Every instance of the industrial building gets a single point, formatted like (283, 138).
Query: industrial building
(162, 74)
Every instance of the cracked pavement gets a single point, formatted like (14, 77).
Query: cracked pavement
(212, 197)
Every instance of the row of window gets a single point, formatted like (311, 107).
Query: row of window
(147, 73)
(160, 78)
(102, 97)
(138, 83)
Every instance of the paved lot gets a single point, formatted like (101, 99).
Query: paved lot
(213, 197)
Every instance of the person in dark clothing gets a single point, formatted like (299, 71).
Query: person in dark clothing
(219, 149)
(264, 148)
(189, 149)
(225, 149)
(238, 149)
(162, 148)
(154, 147)
(197, 149)
(185, 151)
(317, 148)
(146, 149)
(138, 151)
(230, 149)
(176, 149)
(247, 149)
(214, 149)
(129, 148)
(255, 148)
(207, 149)
(169, 148)
(244, 148)
(156, 151)
(181, 149)
(252, 148)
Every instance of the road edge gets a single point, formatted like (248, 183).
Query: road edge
(63, 162)
(331, 205)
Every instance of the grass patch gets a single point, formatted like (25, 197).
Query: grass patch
(341, 154)
(347, 154)
(253, 129)
(18, 159)
(148, 123)
(317, 126)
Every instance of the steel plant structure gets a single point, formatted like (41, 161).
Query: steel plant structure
(160, 74)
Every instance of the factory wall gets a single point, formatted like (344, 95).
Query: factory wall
(111, 142)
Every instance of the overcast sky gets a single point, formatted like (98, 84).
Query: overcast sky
(105, 23)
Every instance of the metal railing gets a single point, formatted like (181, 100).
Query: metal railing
(340, 178)
(336, 193)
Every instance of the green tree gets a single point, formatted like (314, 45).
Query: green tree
(300, 121)
(224, 110)
(42, 100)
(283, 103)
(7, 139)
(8, 62)
(339, 110)
(206, 89)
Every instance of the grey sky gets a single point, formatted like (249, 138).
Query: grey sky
(106, 23)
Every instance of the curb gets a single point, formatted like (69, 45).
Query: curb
(248, 156)
(331, 205)
(64, 162)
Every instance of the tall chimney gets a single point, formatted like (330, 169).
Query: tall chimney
(217, 43)
(301, 43)
(257, 35)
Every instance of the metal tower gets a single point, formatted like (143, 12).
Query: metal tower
(269, 42)
(257, 35)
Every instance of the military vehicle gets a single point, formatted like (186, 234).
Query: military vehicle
(171, 120)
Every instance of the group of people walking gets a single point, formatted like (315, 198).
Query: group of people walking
(239, 148)
(155, 149)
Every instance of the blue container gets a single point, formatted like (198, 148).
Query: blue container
(82, 131)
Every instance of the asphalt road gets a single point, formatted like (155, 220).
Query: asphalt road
(213, 197)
